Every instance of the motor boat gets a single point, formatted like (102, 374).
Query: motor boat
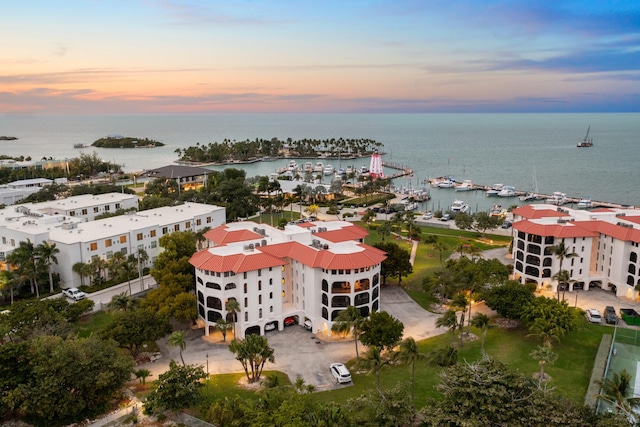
(319, 168)
(465, 186)
(507, 191)
(308, 167)
(328, 170)
(447, 183)
(292, 166)
(497, 210)
(557, 198)
(494, 190)
(459, 206)
(585, 204)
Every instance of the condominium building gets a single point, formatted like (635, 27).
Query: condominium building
(605, 243)
(306, 273)
(80, 240)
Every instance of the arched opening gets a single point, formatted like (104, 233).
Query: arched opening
(213, 302)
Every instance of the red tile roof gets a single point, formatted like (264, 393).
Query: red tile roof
(619, 232)
(222, 235)
(571, 229)
(634, 219)
(238, 263)
(353, 232)
(529, 212)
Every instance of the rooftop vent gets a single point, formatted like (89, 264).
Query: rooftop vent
(325, 247)
(562, 221)
(264, 243)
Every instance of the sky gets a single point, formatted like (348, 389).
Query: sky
(302, 56)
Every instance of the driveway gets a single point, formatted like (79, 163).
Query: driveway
(298, 352)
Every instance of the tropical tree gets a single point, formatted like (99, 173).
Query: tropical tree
(312, 210)
(23, 260)
(481, 321)
(349, 320)
(252, 352)
(441, 248)
(142, 374)
(179, 387)
(563, 277)
(233, 308)
(47, 252)
(177, 339)
(373, 361)
(83, 270)
(543, 354)
(384, 230)
(141, 258)
(223, 326)
(128, 267)
(381, 330)
(122, 302)
(408, 353)
(618, 391)
(448, 320)
(561, 252)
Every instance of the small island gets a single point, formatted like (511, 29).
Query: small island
(119, 141)
(7, 138)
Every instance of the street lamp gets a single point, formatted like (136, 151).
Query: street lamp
(207, 356)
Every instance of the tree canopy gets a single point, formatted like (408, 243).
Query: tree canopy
(397, 262)
(382, 331)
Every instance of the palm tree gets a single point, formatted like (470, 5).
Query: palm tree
(563, 277)
(384, 230)
(460, 302)
(142, 256)
(546, 334)
(223, 326)
(448, 320)
(23, 260)
(441, 247)
(80, 268)
(115, 263)
(200, 239)
(233, 308)
(617, 391)
(481, 321)
(543, 355)
(561, 252)
(177, 339)
(121, 302)
(98, 265)
(409, 354)
(349, 320)
(128, 267)
(47, 253)
(373, 361)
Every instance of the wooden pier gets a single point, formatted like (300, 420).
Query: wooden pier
(403, 170)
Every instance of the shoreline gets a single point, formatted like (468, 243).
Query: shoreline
(271, 159)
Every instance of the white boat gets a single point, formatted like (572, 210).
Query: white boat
(447, 183)
(585, 204)
(308, 167)
(319, 168)
(465, 186)
(364, 170)
(557, 198)
(532, 195)
(328, 170)
(497, 210)
(507, 191)
(494, 190)
(459, 206)
(349, 170)
(292, 166)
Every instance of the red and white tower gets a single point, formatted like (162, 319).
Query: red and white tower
(375, 167)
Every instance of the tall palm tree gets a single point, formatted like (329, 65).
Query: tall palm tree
(80, 269)
(373, 361)
(142, 257)
(563, 277)
(460, 303)
(349, 320)
(561, 252)
(115, 263)
(23, 260)
(481, 321)
(543, 355)
(448, 320)
(128, 267)
(177, 339)
(441, 247)
(233, 307)
(223, 326)
(618, 391)
(47, 253)
(409, 353)
(121, 302)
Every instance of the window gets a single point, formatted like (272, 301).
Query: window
(139, 236)
(96, 210)
(107, 243)
(259, 285)
(72, 213)
(107, 208)
(187, 224)
(259, 273)
(117, 205)
(109, 254)
(260, 313)
(154, 244)
(208, 220)
(198, 222)
(152, 233)
(246, 316)
(246, 302)
(245, 288)
(271, 309)
(84, 211)
(270, 295)
(244, 275)
(271, 281)
(176, 227)
(259, 299)
(123, 239)
(93, 246)
(164, 230)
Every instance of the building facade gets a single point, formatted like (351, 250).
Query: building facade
(305, 274)
(605, 243)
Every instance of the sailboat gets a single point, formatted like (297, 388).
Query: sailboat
(586, 142)
(532, 196)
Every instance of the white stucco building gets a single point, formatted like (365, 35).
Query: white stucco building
(606, 243)
(307, 272)
(79, 239)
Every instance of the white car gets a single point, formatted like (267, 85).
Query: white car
(340, 373)
(74, 293)
(593, 316)
(427, 215)
(269, 327)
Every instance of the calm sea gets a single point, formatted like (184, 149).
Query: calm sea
(485, 148)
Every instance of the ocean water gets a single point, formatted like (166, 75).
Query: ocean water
(485, 148)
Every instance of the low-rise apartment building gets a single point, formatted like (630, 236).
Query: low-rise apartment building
(605, 243)
(307, 273)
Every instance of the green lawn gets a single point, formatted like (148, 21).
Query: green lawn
(227, 385)
(95, 322)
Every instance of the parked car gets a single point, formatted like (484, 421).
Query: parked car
(506, 224)
(445, 217)
(610, 315)
(427, 215)
(74, 293)
(288, 321)
(270, 326)
(308, 325)
(593, 316)
(340, 373)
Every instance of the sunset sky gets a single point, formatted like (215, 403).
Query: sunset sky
(197, 56)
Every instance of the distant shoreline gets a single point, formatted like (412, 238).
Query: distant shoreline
(270, 159)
